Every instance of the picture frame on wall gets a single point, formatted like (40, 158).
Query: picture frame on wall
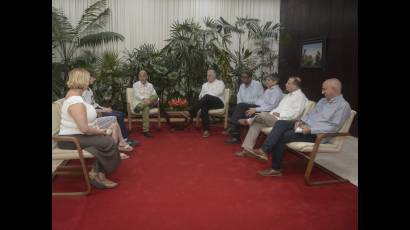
(312, 54)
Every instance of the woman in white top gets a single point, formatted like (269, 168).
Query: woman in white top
(211, 97)
(78, 119)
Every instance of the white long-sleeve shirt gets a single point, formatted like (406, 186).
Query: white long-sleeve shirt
(142, 91)
(215, 88)
(291, 106)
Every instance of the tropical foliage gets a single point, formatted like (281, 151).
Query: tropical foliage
(177, 70)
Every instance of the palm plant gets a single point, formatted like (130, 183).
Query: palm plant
(263, 37)
(187, 45)
(148, 58)
(109, 87)
(67, 39)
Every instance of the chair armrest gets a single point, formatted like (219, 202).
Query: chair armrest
(70, 139)
(321, 136)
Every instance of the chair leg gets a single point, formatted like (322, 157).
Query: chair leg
(159, 120)
(87, 182)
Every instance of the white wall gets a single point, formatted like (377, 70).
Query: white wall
(149, 21)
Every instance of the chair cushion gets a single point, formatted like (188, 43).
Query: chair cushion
(266, 130)
(217, 111)
(67, 154)
(308, 146)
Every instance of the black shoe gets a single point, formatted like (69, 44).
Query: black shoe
(133, 142)
(148, 134)
(232, 140)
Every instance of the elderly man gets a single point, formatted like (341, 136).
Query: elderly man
(269, 100)
(88, 97)
(290, 108)
(145, 97)
(210, 97)
(249, 91)
(327, 116)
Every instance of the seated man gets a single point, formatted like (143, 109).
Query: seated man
(145, 97)
(327, 116)
(268, 101)
(210, 97)
(249, 91)
(290, 108)
(88, 97)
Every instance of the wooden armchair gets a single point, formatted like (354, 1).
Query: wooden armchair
(219, 112)
(309, 151)
(131, 114)
(64, 154)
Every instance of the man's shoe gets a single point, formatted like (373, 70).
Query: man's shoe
(260, 155)
(205, 134)
(232, 140)
(242, 153)
(270, 172)
(133, 142)
(148, 134)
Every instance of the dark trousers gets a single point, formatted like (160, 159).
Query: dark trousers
(281, 134)
(239, 113)
(206, 103)
(120, 119)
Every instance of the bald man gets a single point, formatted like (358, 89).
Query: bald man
(328, 116)
(145, 97)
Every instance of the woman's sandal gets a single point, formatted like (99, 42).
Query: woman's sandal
(125, 148)
(124, 156)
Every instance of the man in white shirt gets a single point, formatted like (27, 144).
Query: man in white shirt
(88, 97)
(290, 108)
(210, 97)
(145, 97)
(249, 91)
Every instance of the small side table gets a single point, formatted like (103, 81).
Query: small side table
(177, 120)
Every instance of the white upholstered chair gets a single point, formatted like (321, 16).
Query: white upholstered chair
(63, 154)
(131, 114)
(219, 112)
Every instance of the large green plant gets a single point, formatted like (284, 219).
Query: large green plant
(186, 56)
(148, 58)
(67, 39)
(109, 89)
(263, 37)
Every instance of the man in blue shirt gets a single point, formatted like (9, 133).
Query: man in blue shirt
(328, 116)
(251, 99)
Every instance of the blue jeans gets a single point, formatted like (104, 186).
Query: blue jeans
(120, 119)
(282, 133)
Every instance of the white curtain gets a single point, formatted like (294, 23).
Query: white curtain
(149, 21)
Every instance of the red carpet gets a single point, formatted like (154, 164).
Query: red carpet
(179, 180)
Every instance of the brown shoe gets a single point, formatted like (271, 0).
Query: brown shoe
(260, 155)
(242, 153)
(243, 122)
(205, 133)
(270, 172)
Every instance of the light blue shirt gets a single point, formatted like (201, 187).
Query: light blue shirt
(269, 100)
(328, 116)
(249, 94)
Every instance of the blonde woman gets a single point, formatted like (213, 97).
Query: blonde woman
(78, 119)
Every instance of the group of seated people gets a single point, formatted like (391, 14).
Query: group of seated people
(102, 132)
(284, 114)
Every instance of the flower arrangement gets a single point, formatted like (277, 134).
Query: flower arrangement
(178, 104)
